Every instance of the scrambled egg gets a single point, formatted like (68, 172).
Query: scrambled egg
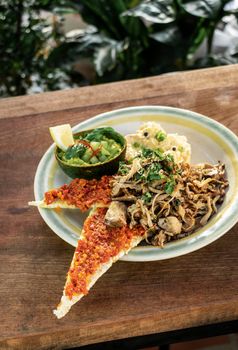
(152, 135)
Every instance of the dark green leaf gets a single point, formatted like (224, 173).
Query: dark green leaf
(169, 36)
(147, 153)
(131, 3)
(75, 151)
(170, 185)
(98, 133)
(154, 173)
(170, 158)
(146, 197)
(202, 8)
(104, 14)
(159, 153)
(140, 175)
(153, 11)
(106, 56)
(123, 168)
(134, 27)
(105, 51)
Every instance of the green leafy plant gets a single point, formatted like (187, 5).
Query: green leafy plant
(131, 38)
(26, 42)
(125, 39)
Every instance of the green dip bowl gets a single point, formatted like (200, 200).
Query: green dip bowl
(93, 171)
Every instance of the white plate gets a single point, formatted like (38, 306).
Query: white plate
(210, 142)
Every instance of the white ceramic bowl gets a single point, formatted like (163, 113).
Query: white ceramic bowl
(210, 142)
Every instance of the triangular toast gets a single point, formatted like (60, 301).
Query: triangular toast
(98, 248)
(99, 245)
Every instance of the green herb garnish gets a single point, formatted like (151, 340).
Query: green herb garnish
(157, 166)
(75, 151)
(139, 175)
(160, 136)
(179, 171)
(159, 153)
(154, 172)
(99, 133)
(170, 158)
(146, 197)
(169, 163)
(147, 152)
(170, 185)
(123, 169)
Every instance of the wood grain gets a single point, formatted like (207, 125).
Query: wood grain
(132, 298)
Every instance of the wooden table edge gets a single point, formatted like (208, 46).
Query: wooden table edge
(53, 101)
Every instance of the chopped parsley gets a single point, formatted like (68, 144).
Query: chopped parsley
(140, 175)
(170, 158)
(75, 151)
(146, 197)
(147, 152)
(170, 185)
(159, 153)
(154, 172)
(155, 166)
(123, 169)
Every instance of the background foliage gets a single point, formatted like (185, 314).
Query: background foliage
(26, 40)
(125, 39)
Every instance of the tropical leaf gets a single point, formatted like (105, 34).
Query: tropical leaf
(104, 14)
(106, 56)
(153, 11)
(202, 8)
(170, 36)
(103, 50)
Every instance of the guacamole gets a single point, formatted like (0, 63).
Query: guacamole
(94, 147)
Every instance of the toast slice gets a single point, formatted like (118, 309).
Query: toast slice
(98, 248)
(56, 204)
(80, 193)
(99, 245)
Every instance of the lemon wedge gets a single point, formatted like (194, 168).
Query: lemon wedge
(62, 136)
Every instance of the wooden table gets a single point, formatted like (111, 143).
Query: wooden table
(131, 299)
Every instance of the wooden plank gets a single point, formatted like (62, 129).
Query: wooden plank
(132, 299)
(126, 91)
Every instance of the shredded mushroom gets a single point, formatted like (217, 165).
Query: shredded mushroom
(157, 191)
